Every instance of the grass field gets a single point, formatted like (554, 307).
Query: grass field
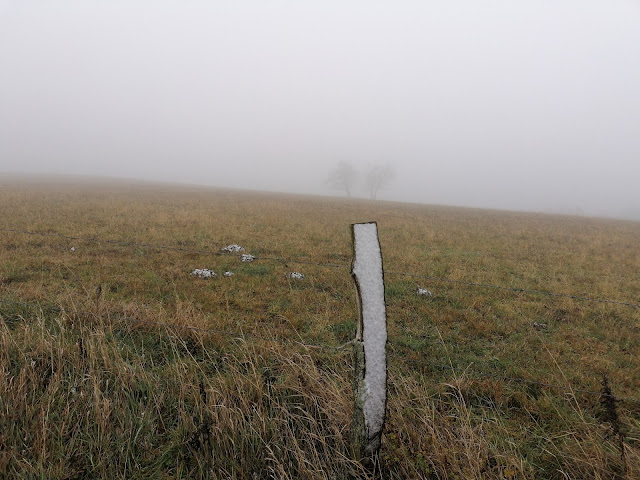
(93, 385)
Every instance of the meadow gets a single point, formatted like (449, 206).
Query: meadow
(100, 378)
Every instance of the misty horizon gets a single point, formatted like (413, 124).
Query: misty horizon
(528, 106)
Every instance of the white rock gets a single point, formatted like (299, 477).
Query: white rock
(295, 275)
(233, 248)
(203, 273)
(228, 274)
(246, 257)
(424, 292)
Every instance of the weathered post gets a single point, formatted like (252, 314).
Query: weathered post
(370, 382)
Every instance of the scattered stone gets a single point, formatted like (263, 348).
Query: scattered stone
(203, 273)
(228, 274)
(233, 248)
(424, 292)
(539, 326)
(295, 275)
(246, 257)
(73, 249)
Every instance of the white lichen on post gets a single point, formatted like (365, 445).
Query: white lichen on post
(370, 385)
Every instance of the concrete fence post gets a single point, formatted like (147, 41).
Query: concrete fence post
(370, 381)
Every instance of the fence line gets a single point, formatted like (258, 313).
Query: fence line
(286, 261)
(244, 335)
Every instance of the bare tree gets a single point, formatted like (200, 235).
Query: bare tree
(343, 177)
(378, 176)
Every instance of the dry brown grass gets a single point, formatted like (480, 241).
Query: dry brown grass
(96, 395)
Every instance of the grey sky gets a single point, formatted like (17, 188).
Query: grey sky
(533, 104)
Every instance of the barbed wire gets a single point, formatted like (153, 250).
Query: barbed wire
(286, 261)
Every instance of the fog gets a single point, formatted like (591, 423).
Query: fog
(527, 105)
